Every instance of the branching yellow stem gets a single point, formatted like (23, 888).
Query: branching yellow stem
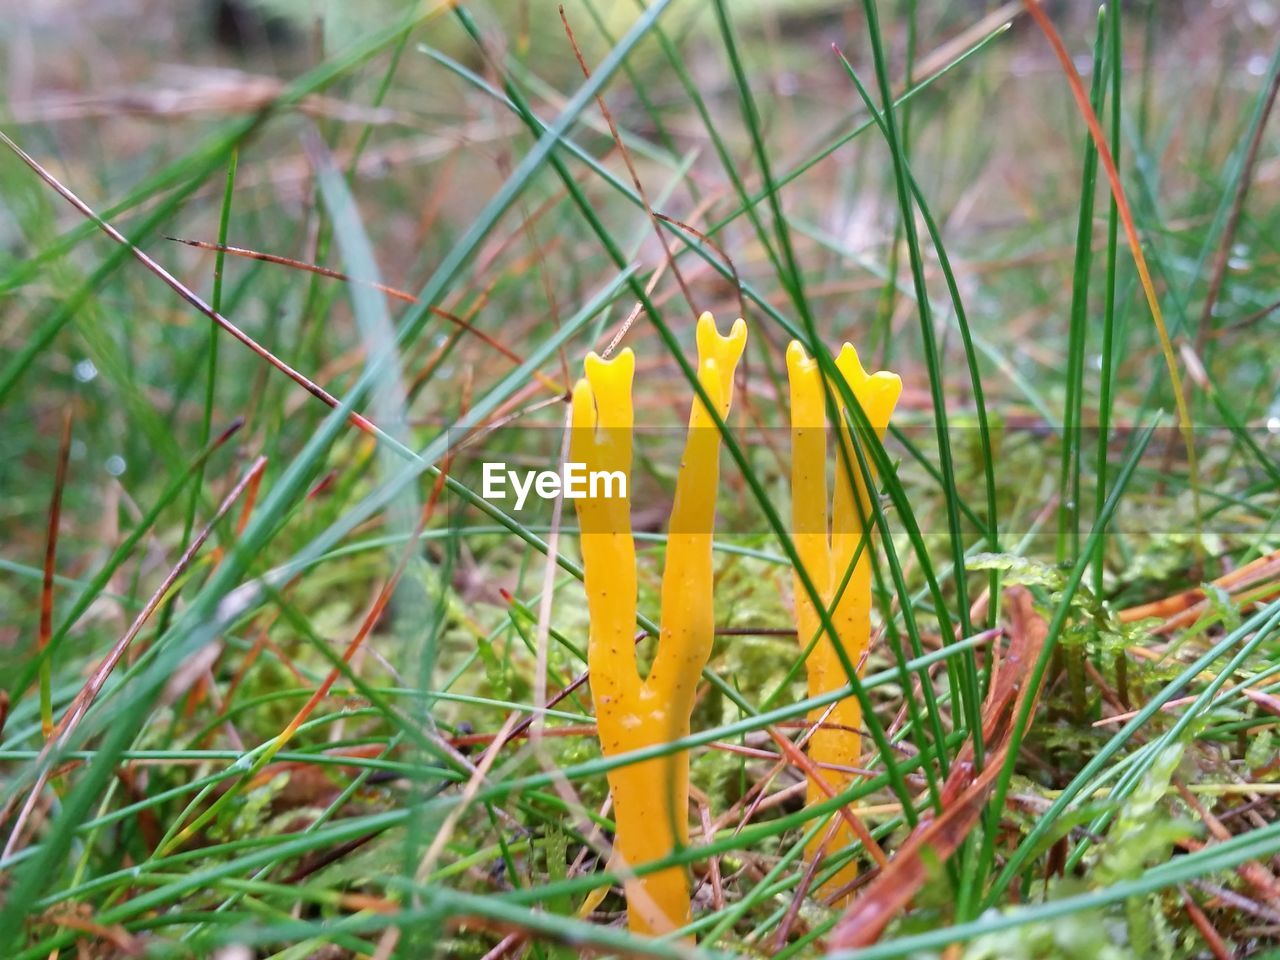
(827, 557)
(650, 798)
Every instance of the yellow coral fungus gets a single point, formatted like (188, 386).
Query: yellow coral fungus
(650, 798)
(827, 558)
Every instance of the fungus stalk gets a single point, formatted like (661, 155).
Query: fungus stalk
(650, 798)
(827, 553)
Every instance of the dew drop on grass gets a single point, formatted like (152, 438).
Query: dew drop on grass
(85, 371)
(115, 465)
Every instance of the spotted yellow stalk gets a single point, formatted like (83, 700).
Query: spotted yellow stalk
(650, 798)
(826, 556)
